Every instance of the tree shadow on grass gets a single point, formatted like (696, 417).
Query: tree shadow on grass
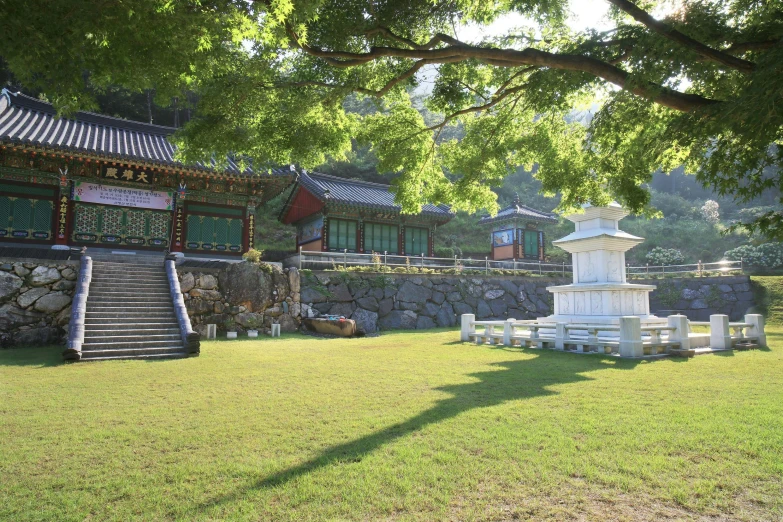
(511, 381)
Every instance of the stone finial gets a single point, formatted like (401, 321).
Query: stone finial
(516, 199)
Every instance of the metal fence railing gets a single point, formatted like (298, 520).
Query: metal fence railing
(701, 269)
(385, 262)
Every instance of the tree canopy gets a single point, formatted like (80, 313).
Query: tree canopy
(698, 86)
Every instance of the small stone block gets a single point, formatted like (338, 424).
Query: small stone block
(211, 331)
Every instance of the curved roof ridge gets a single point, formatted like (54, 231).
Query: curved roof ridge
(348, 180)
(18, 99)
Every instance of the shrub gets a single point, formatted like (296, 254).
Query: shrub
(767, 255)
(444, 252)
(665, 256)
(253, 256)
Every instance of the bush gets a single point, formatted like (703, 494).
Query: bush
(444, 252)
(664, 256)
(253, 256)
(768, 255)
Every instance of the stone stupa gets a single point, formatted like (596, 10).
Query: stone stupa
(600, 293)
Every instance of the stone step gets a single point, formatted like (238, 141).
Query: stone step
(147, 333)
(125, 293)
(140, 315)
(93, 318)
(92, 337)
(129, 269)
(123, 345)
(125, 276)
(113, 278)
(134, 301)
(135, 263)
(103, 355)
(127, 309)
(140, 328)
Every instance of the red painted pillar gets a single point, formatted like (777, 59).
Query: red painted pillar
(61, 220)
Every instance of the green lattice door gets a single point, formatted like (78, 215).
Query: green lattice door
(26, 218)
(214, 233)
(119, 225)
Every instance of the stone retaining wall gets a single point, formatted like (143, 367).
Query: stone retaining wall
(246, 292)
(407, 301)
(394, 301)
(35, 301)
(700, 297)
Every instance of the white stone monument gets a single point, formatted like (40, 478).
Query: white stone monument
(600, 293)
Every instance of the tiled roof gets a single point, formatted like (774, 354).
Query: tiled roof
(516, 210)
(26, 120)
(360, 194)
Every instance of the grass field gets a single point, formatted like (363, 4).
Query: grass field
(405, 426)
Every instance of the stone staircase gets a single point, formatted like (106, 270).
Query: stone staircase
(130, 314)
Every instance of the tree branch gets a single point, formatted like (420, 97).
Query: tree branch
(741, 48)
(642, 16)
(512, 58)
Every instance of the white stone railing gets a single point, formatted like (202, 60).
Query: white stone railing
(726, 335)
(628, 339)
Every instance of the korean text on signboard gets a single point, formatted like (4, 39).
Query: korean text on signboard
(127, 174)
(122, 196)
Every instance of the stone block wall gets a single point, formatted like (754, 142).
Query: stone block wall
(700, 297)
(402, 301)
(35, 301)
(408, 301)
(254, 296)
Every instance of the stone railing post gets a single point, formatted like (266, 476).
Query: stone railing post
(508, 331)
(191, 339)
(720, 336)
(73, 351)
(467, 327)
(560, 336)
(680, 334)
(756, 328)
(631, 337)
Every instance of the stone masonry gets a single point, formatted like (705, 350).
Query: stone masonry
(254, 296)
(35, 302)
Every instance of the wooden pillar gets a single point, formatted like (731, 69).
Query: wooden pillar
(325, 233)
(360, 235)
(62, 219)
(250, 223)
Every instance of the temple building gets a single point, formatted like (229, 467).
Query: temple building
(334, 214)
(97, 181)
(515, 232)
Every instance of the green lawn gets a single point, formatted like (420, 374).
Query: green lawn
(405, 426)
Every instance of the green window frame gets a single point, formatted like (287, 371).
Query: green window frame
(342, 234)
(381, 238)
(417, 241)
(530, 242)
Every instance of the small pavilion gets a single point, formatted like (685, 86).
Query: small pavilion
(335, 214)
(98, 181)
(515, 232)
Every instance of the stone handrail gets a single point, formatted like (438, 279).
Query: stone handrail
(73, 351)
(190, 338)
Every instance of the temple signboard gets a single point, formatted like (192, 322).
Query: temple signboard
(122, 196)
